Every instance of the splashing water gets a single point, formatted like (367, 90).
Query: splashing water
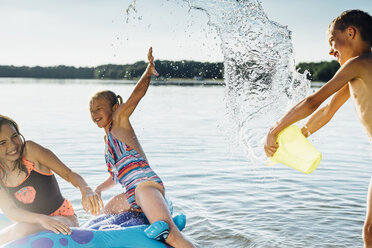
(259, 69)
(132, 6)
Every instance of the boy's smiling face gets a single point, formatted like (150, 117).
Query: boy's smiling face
(340, 44)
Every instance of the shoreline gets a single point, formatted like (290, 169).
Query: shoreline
(154, 82)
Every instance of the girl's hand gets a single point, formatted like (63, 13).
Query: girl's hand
(270, 145)
(54, 225)
(92, 202)
(151, 67)
(98, 192)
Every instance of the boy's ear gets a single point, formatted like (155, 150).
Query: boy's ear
(351, 32)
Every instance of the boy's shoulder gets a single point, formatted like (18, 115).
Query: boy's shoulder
(360, 67)
(364, 61)
(365, 56)
(361, 62)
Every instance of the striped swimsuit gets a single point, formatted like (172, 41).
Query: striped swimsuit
(128, 167)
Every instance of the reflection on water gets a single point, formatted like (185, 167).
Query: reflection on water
(229, 201)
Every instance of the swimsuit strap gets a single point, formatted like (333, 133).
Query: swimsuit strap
(109, 144)
(28, 163)
(30, 166)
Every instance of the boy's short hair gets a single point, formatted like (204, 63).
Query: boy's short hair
(356, 18)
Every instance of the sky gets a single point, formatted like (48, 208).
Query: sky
(94, 32)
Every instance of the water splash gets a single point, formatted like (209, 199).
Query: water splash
(259, 69)
(131, 7)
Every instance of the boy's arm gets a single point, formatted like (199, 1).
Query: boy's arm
(325, 114)
(127, 108)
(105, 185)
(20, 215)
(347, 72)
(90, 200)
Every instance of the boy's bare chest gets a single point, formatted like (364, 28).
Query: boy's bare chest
(361, 93)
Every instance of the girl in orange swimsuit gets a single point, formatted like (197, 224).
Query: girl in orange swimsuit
(29, 191)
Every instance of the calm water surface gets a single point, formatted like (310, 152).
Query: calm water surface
(229, 201)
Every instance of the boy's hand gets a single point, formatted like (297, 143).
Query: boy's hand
(270, 145)
(151, 67)
(54, 225)
(92, 202)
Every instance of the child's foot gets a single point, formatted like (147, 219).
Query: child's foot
(158, 230)
(180, 221)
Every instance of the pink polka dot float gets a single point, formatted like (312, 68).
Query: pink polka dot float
(128, 229)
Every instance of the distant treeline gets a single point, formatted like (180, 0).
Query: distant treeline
(166, 69)
(322, 71)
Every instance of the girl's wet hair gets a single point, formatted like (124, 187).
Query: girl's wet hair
(356, 18)
(110, 96)
(18, 164)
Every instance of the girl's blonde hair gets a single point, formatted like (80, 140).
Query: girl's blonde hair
(108, 95)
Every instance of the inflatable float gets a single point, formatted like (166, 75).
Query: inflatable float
(125, 230)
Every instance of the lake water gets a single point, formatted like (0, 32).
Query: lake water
(228, 200)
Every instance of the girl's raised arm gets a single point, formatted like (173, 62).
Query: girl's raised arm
(127, 108)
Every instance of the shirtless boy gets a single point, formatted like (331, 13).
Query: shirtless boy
(350, 38)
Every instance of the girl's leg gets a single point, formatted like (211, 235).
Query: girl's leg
(117, 205)
(152, 203)
(22, 229)
(367, 230)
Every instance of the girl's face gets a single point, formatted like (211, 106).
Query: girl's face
(10, 144)
(340, 45)
(101, 112)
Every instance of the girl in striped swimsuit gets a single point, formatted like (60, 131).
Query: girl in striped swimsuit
(126, 161)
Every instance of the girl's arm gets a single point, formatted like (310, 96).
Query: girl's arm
(90, 200)
(346, 73)
(105, 185)
(20, 215)
(126, 109)
(325, 114)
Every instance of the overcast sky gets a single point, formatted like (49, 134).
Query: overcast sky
(95, 32)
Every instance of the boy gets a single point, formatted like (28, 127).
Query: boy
(350, 38)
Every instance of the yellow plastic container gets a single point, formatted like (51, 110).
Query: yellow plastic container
(296, 151)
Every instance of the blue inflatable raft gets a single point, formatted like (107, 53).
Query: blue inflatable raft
(126, 230)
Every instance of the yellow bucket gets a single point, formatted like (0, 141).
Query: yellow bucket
(296, 151)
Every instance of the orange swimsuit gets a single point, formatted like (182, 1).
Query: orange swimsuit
(39, 192)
